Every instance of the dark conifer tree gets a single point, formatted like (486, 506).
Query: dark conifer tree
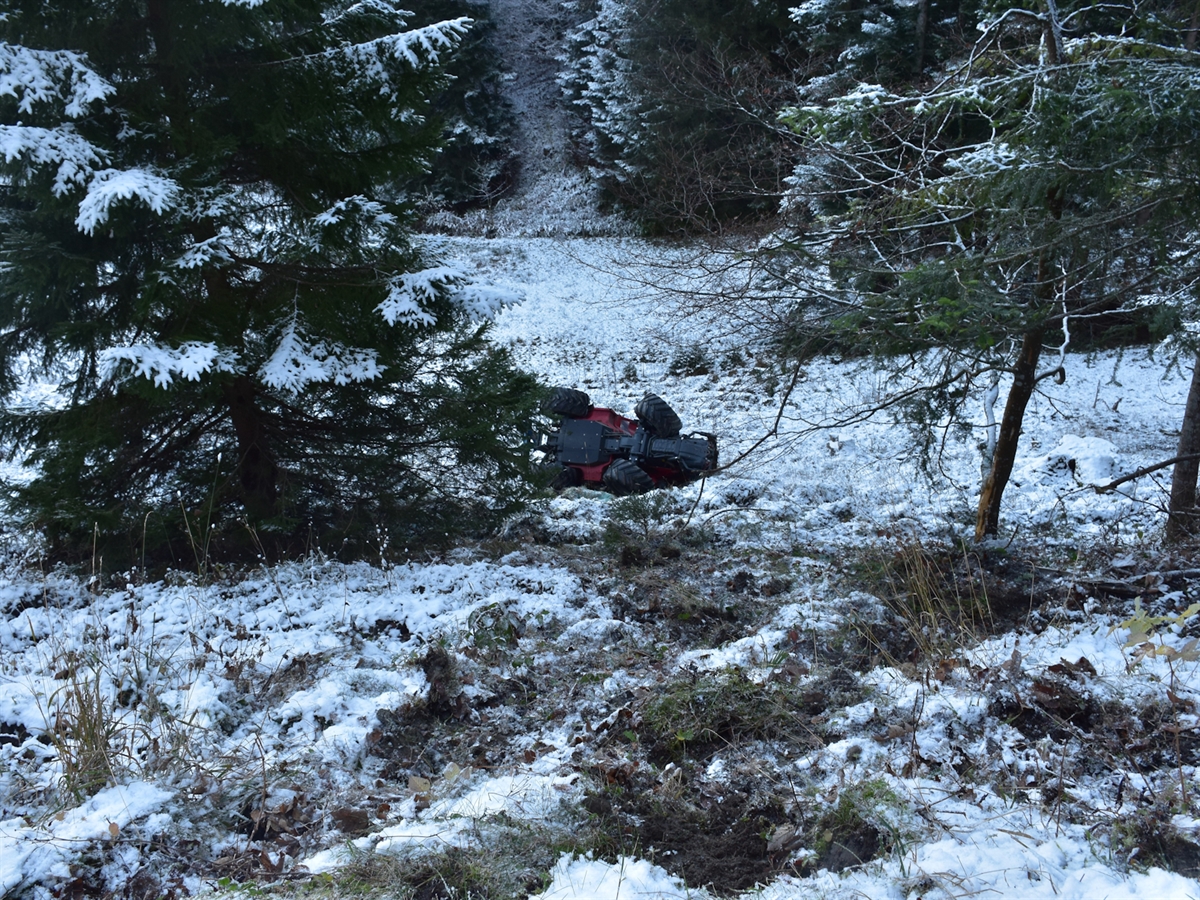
(475, 165)
(676, 103)
(200, 238)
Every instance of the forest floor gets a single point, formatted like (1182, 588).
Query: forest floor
(800, 678)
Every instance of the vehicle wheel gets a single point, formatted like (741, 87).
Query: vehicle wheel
(564, 401)
(568, 477)
(623, 478)
(654, 412)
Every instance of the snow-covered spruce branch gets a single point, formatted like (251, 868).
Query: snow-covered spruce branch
(34, 77)
(418, 47)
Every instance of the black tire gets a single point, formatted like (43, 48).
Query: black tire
(567, 478)
(623, 478)
(568, 402)
(654, 412)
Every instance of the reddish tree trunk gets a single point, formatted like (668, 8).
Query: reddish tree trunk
(1181, 516)
(987, 521)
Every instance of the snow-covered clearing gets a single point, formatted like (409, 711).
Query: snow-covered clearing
(683, 696)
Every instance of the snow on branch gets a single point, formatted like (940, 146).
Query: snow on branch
(42, 76)
(983, 160)
(296, 363)
(483, 301)
(419, 47)
(356, 204)
(203, 253)
(111, 185)
(75, 157)
(410, 295)
(384, 8)
(163, 365)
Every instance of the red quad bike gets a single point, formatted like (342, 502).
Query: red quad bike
(598, 447)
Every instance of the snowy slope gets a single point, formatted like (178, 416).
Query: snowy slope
(551, 195)
(297, 720)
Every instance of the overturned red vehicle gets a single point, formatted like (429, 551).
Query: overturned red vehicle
(595, 446)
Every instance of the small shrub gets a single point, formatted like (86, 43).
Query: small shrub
(494, 627)
(691, 360)
(85, 729)
(106, 721)
(510, 860)
(643, 515)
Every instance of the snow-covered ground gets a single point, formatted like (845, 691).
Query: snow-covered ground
(542, 696)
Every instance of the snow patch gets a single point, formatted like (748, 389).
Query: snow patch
(27, 851)
(585, 878)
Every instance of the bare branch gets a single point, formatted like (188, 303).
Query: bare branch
(1145, 470)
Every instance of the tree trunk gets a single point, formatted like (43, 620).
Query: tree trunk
(1181, 518)
(987, 521)
(1053, 33)
(922, 31)
(257, 473)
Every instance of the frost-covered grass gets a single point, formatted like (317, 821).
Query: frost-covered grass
(800, 674)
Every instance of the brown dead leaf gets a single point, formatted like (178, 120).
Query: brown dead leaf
(945, 667)
(1182, 702)
(893, 732)
(1077, 669)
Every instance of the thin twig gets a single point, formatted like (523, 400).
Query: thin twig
(1145, 470)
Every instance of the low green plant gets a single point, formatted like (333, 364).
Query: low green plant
(858, 828)
(240, 888)
(1147, 837)
(694, 714)
(1147, 640)
(493, 627)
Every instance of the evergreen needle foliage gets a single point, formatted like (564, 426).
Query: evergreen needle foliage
(203, 231)
(1039, 194)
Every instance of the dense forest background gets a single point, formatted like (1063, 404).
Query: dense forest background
(962, 189)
